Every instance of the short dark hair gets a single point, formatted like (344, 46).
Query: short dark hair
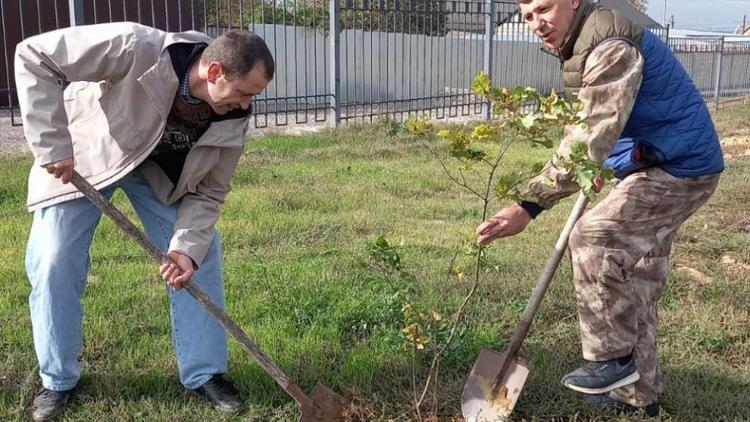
(239, 51)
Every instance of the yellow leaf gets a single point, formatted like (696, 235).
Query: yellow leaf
(436, 315)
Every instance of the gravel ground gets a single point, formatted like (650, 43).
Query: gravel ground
(11, 137)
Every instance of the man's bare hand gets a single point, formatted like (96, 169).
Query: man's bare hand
(178, 272)
(598, 183)
(508, 222)
(61, 169)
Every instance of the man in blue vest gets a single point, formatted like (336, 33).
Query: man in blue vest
(647, 121)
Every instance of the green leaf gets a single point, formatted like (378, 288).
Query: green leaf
(483, 133)
(382, 251)
(445, 133)
(547, 142)
(528, 121)
(507, 186)
(481, 84)
(460, 147)
(579, 150)
(419, 126)
(496, 94)
(584, 169)
(394, 129)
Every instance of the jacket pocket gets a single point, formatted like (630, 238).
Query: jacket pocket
(81, 100)
(630, 155)
(123, 131)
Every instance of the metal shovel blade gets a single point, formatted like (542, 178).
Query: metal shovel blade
(496, 380)
(478, 402)
(326, 406)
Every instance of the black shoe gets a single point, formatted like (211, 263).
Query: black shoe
(49, 403)
(607, 402)
(602, 377)
(222, 394)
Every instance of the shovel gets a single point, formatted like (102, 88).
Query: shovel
(496, 380)
(323, 405)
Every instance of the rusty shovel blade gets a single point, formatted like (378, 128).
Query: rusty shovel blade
(325, 406)
(481, 401)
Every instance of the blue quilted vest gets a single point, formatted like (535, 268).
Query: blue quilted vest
(670, 119)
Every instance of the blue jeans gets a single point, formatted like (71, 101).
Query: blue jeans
(57, 263)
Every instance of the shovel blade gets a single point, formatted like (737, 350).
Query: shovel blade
(327, 406)
(478, 403)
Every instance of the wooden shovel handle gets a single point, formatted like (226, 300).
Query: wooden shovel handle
(541, 288)
(158, 255)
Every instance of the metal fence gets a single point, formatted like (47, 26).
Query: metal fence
(719, 66)
(344, 60)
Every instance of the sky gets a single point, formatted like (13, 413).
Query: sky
(706, 15)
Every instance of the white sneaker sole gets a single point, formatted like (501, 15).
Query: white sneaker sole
(623, 382)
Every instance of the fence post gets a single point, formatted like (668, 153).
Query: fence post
(76, 12)
(333, 45)
(717, 84)
(489, 35)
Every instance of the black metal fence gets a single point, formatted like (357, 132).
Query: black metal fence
(343, 60)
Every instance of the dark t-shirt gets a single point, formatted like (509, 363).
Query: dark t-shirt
(186, 122)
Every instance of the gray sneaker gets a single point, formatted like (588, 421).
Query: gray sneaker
(602, 377)
(49, 403)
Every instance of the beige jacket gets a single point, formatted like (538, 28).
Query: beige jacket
(102, 94)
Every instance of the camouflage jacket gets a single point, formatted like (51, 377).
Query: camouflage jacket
(612, 76)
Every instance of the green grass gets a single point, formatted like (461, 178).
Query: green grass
(295, 231)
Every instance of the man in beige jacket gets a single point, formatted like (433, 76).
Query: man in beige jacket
(162, 116)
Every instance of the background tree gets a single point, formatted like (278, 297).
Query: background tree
(426, 17)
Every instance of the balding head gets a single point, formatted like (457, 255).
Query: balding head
(550, 20)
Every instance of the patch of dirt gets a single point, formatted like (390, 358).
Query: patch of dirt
(358, 408)
(736, 146)
(693, 275)
(735, 265)
(731, 263)
(739, 222)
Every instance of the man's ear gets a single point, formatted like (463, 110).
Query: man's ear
(215, 70)
(576, 3)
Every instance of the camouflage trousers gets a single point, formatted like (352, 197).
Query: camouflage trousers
(620, 253)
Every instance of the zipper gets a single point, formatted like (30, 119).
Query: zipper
(555, 55)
